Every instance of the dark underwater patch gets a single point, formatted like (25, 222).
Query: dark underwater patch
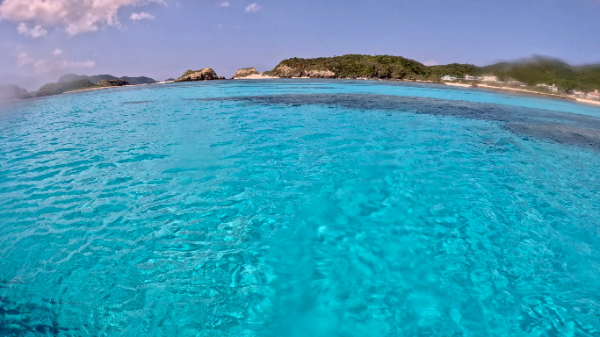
(20, 319)
(559, 127)
(137, 102)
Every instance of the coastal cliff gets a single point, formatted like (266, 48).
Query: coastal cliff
(286, 71)
(206, 74)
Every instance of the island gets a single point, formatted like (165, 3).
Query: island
(97, 78)
(52, 89)
(536, 75)
(206, 74)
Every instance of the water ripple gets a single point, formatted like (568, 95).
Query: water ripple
(342, 209)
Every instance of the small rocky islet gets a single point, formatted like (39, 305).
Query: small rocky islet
(206, 74)
(245, 72)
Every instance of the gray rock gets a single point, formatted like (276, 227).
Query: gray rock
(205, 74)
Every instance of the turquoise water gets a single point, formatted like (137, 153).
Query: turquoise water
(299, 208)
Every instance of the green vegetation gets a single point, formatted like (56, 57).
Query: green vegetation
(189, 72)
(97, 78)
(532, 71)
(456, 70)
(355, 66)
(112, 83)
(366, 66)
(541, 69)
(51, 89)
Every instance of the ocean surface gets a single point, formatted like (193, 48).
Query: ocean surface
(300, 208)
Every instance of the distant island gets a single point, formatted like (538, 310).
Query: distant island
(9, 92)
(206, 74)
(97, 78)
(537, 74)
(60, 87)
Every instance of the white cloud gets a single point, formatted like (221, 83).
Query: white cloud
(430, 63)
(24, 59)
(141, 16)
(34, 32)
(75, 16)
(57, 52)
(43, 66)
(252, 8)
(224, 4)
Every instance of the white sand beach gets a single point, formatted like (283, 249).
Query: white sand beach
(256, 77)
(525, 91)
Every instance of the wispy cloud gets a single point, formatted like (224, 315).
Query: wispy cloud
(430, 63)
(33, 32)
(224, 4)
(75, 16)
(141, 16)
(57, 52)
(253, 8)
(42, 66)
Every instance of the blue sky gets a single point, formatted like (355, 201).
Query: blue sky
(162, 38)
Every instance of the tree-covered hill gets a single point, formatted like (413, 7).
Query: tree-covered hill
(97, 78)
(534, 70)
(352, 66)
(52, 89)
(542, 69)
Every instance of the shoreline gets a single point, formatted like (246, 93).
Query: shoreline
(257, 77)
(112, 87)
(525, 91)
(462, 85)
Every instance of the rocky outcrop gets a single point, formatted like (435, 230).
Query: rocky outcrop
(205, 74)
(10, 92)
(287, 71)
(319, 74)
(51, 89)
(245, 72)
(113, 83)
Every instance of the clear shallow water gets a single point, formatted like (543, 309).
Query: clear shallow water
(245, 209)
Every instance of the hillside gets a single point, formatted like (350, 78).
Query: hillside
(352, 66)
(97, 78)
(366, 66)
(541, 69)
(534, 70)
(51, 89)
(456, 70)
